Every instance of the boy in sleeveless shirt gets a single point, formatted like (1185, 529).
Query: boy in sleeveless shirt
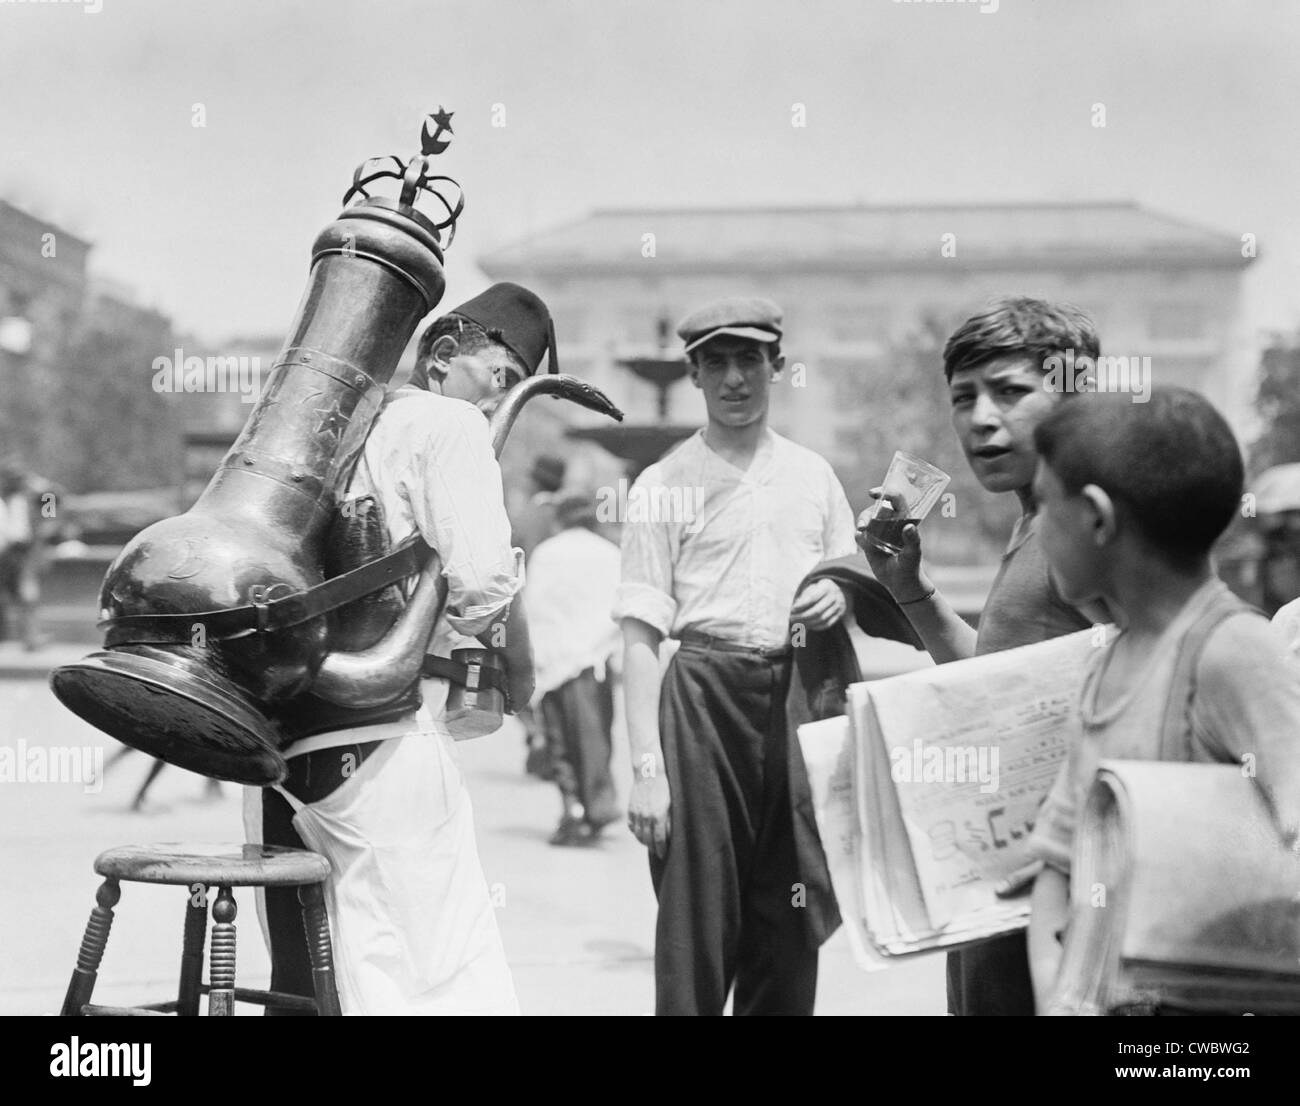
(1131, 498)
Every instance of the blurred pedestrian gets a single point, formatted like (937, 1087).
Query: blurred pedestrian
(211, 787)
(530, 526)
(1277, 507)
(569, 594)
(20, 555)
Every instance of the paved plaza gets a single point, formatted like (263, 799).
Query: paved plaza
(578, 924)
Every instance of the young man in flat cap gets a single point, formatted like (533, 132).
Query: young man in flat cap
(711, 796)
(377, 791)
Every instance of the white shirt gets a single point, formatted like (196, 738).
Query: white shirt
(572, 579)
(15, 520)
(429, 462)
(1287, 622)
(710, 548)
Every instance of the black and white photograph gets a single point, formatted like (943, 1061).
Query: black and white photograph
(565, 508)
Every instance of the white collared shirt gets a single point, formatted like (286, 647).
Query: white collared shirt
(709, 548)
(429, 462)
(1287, 622)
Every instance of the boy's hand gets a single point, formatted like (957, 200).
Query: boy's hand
(1018, 881)
(819, 606)
(899, 572)
(649, 812)
(519, 687)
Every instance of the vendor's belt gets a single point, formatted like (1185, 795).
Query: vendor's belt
(693, 639)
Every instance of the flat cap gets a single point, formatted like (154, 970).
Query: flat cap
(742, 316)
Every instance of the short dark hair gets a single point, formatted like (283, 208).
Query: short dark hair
(1172, 464)
(469, 335)
(1020, 326)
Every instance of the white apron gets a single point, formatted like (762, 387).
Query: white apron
(410, 914)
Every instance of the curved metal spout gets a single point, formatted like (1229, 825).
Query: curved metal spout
(378, 675)
(560, 385)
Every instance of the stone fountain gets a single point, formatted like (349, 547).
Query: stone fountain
(641, 444)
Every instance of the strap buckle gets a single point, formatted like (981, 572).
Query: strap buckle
(258, 599)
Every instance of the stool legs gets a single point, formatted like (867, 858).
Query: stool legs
(315, 921)
(93, 941)
(196, 928)
(221, 990)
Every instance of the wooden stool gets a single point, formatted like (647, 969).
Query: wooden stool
(200, 867)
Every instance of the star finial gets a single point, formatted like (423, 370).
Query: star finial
(431, 141)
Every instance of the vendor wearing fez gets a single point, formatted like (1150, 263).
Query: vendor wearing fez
(711, 791)
(485, 346)
(382, 798)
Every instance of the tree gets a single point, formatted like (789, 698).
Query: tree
(1277, 400)
(902, 404)
(108, 429)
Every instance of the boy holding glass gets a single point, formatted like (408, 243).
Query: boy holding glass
(996, 367)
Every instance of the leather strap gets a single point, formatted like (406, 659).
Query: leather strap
(457, 673)
(272, 614)
(693, 639)
(1176, 729)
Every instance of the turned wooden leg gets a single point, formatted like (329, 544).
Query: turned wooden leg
(93, 942)
(221, 963)
(196, 929)
(315, 920)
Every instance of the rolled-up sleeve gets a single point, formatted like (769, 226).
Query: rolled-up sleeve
(458, 506)
(645, 589)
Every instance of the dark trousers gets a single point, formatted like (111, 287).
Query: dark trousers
(991, 979)
(730, 904)
(290, 964)
(578, 716)
(311, 778)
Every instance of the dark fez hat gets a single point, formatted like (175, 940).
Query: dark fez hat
(518, 319)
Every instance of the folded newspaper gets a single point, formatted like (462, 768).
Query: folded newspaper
(926, 790)
(1143, 933)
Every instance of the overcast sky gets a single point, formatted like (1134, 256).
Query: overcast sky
(648, 102)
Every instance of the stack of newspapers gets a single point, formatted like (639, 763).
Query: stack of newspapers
(1184, 895)
(925, 791)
